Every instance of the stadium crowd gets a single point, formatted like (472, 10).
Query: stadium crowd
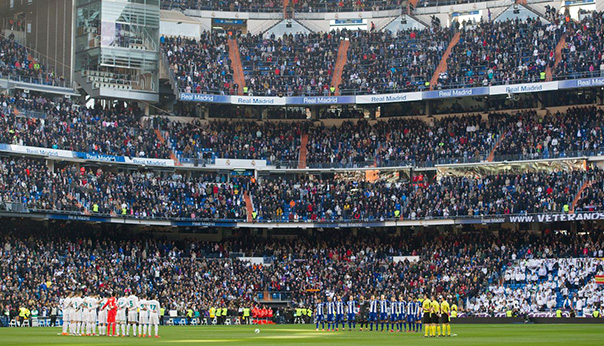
(401, 141)
(582, 52)
(526, 135)
(509, 52)
(537, 284)
(16, 61)
(274, 141)
(302, 199)
(39, 266)
(200, 65)
(382, 62)
(140, 194)
(300, 64)
(41, 122)
(122, 130)
(488, 53)
(154, 194)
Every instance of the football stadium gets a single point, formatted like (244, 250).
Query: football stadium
(301, 172)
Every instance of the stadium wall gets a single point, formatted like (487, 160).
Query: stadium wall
(48, 31)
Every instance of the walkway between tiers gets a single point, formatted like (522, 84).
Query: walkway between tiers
(249, 207)
(492, 154)
(558, 56)
(336, 79)
(235, 57)
(585, 185)
(285, 4)
(442, 66)
(163, 142)
(303, 151)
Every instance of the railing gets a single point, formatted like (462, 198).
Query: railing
(397, 163)
(482, 157)
(23, 209)
(171, 74)
(28, 113)
(38, 80)
(564, 154)
(347, 7)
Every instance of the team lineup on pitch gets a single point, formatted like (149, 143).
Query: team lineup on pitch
(397, 315)
(81, 318)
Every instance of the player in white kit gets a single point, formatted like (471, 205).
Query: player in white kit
(153, 308)
(67, 311)
(75, 324)
(91, 304)
(143, 318)
(132, 303)
(102, 316)
(120, 318)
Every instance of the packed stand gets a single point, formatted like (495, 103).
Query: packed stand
(491, 53)
(41, 122)
(137, 194)
(178, 271)
(30, 184)
(354, 198)
(582, 53)
(401, 142)
(534, 285)
(16, 61)
(527, 135)
(500, 194)
(201, 65)
(385, 62)
(295, 64)
(591, 198)
(272, 141)
(277, 6)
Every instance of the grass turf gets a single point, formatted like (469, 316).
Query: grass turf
(491, 335)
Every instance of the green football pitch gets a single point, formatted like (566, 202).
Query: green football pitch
(489, 335)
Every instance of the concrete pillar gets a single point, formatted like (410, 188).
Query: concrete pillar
(428, 108)
(51, 165)
(314, 113)
(146, 108)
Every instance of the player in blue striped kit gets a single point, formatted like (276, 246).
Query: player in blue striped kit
(373, 313)
(330, 308)
(393, 314)
(320, 315)
(340, 307)
(384, 307)
(351, 306)
(412, 312)
(402, 317)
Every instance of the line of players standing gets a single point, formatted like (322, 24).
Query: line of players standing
(396, 315)
(81, 315)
